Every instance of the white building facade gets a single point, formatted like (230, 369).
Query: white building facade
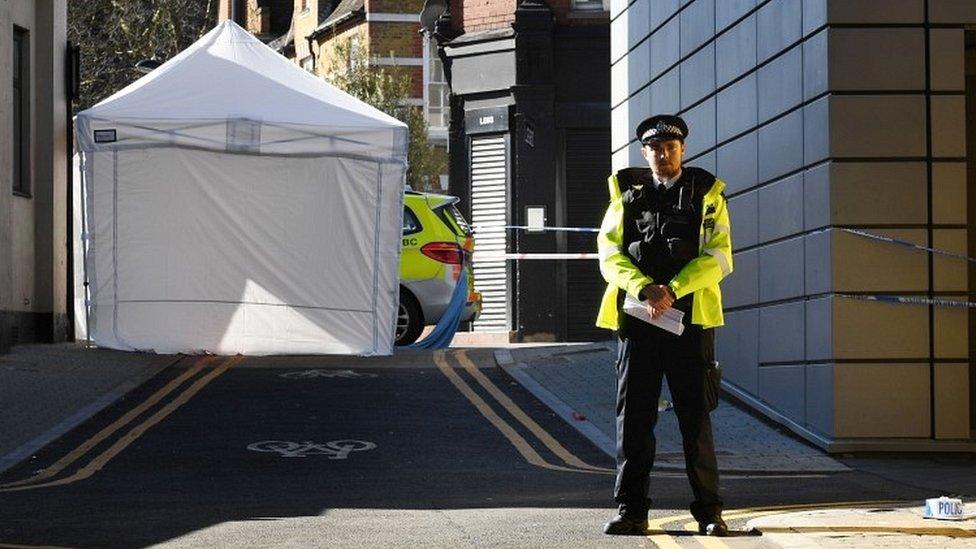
(33, 172)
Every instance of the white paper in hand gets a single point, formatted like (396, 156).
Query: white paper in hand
(670, 320)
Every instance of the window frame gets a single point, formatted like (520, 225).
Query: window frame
(21, 167)
(430, 56)
(588, 5)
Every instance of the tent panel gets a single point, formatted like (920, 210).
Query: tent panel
(228, 329)
(187, 230)
(243, 134)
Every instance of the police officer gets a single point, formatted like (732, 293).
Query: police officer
(665, 239)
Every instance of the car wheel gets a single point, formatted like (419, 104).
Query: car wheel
(410, 320)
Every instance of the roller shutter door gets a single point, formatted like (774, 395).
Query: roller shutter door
(489, 214)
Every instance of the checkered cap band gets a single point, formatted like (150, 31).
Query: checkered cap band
(663, 129)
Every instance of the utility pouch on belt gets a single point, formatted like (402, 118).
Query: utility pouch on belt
(713, 384)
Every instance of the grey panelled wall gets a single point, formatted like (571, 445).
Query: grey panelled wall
(822, 115)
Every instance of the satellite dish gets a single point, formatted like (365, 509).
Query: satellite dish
(433, 10)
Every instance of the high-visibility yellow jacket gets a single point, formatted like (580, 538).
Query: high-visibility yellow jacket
(700, 276)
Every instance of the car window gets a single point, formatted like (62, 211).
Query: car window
(410, 223)
(454, 220)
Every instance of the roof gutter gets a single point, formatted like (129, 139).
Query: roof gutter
(331, 25)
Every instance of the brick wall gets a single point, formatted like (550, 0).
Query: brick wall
(475, 15)
(326, 50)
(223, 10)
(400, 39)
(394, 6)
(486, 14)
(327, 58)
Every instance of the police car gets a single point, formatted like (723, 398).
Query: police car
(437, 245)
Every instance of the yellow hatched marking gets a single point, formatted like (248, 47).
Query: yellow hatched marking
(548, 440)
(521, 445)
(81, 450)
(102, 459)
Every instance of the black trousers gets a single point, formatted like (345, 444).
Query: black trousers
(646, 354)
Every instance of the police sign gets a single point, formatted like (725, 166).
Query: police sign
(944, 508)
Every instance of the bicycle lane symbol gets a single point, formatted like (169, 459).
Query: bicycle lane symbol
(335, 449)
(311, 374)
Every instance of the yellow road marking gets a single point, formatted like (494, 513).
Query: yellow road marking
(524, 419)
(945, 532)
(665, 541)
(520, 444)
(708, 542)
(811, 506)
(81, 450)
(102, 459)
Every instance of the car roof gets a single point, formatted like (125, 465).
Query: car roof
(432, 200)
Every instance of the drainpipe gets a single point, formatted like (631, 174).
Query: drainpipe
(311, 50)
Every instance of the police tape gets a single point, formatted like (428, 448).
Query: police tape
(485, 228)
(483, 256)
(909, 300)
(910, 245)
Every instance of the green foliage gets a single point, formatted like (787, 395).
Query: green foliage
(114, 35)
(387, 88)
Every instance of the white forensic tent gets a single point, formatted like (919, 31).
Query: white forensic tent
(231, 202)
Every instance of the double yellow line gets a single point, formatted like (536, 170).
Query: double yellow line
(572, 463)
(664, 540)
(99, 461)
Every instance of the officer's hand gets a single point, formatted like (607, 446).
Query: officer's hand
(659, 299)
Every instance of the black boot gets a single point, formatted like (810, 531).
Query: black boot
(622, 525)
(714, 526)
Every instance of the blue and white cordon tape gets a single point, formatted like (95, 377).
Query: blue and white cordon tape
(909, 300)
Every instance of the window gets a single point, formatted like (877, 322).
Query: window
(22, 115)
(411, 225)
(588, 5)
(357, 54)
(437, 93)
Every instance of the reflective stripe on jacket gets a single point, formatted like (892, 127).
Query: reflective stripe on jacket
(700, 276)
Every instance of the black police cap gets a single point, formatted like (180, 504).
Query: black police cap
(662, 127)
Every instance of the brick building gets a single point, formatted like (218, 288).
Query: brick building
(530, 136)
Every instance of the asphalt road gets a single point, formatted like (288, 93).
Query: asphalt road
(420, 449)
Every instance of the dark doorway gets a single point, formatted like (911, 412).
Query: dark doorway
(586, 154)
(971, 213)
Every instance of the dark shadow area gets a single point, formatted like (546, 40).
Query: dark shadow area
(434, 451)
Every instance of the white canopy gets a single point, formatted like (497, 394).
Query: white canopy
(234, 203)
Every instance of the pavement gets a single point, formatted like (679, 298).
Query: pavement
(48, 390)
(579, 383)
